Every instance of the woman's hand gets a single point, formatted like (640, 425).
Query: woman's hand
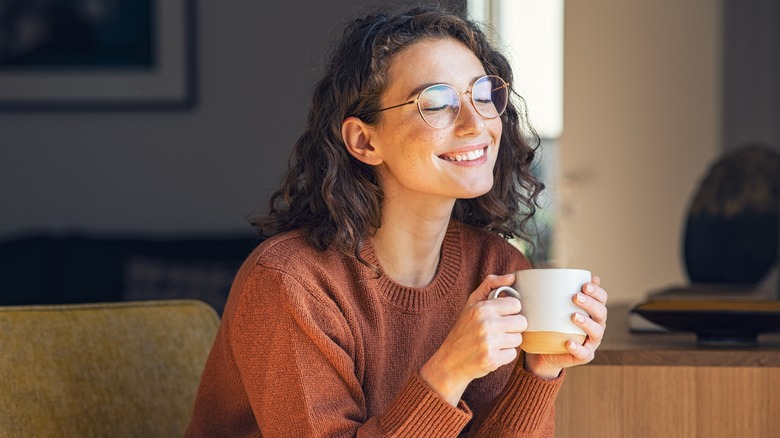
(593, 301)
(485, 337)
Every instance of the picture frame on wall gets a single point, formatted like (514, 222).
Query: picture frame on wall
(97, 54)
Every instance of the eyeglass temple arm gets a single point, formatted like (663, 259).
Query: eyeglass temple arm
(391, 107)
(506, 85)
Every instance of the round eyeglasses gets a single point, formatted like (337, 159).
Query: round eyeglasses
(439, 104)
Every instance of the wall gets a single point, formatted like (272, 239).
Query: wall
(752, 68)
(642, 111)
(201, 170)
(642, 104)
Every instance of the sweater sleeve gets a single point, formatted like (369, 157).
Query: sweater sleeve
(299, 362)
(524, 408)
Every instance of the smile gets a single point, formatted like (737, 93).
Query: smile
(467, 156)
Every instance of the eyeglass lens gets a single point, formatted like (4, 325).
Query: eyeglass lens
(440, 104)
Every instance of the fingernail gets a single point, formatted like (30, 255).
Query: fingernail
(589, 288)
(571, 345)
(579, 317)
(581, 298)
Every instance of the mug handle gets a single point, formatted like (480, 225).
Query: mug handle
(504, 289)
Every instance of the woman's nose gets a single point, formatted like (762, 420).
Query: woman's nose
(469, 120)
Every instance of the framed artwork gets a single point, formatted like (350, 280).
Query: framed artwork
(96, 54)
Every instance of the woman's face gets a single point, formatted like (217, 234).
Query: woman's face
(418, 160)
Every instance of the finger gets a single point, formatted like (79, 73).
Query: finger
(511, 340)
(513, 324)
(595, 291)
(595, 309)
(489, 283)
(593, 329)
(581, 353)
(596, 280)
(506, 306)
(502, 341)
(505, 356)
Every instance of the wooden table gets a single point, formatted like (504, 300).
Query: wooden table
(663, 385)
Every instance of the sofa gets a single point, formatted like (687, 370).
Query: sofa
(124, 369)
(88, 267)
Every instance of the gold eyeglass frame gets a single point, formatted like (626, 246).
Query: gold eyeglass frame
(459, 93)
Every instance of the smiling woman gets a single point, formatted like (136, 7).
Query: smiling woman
(366, 311)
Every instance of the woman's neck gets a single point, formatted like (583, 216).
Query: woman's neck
(408, 245)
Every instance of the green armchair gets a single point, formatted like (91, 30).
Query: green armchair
(126, 369)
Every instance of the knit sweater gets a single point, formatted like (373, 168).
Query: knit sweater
(315, 343)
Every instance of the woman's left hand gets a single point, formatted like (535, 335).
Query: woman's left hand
(593, 301)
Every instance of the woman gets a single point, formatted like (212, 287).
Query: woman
(365, 312)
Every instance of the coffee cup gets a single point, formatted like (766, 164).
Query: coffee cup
(546, 298)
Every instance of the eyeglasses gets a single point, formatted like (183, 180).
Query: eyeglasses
(439, 104)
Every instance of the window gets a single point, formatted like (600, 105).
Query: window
(530, 33)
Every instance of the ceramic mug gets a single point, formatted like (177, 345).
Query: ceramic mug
(547, 304)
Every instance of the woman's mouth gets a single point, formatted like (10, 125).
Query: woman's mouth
(464, 156)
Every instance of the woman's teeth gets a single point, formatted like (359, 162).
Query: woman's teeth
(468, 156)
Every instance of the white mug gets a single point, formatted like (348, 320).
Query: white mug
(546, 297)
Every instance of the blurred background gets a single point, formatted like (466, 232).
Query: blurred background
(653, 92)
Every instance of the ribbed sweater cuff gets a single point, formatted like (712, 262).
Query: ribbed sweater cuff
(420, 411)
(526, 401)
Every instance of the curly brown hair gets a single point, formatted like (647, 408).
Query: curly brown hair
(336, 198)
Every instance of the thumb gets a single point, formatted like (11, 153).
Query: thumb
(491, 282)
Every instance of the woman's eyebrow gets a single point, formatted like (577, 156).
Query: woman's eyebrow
(415, 92)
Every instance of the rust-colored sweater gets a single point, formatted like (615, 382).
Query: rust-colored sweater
(314, 343)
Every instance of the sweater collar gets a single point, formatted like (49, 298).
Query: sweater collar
(413, 299)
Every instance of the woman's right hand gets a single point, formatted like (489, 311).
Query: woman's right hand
(485, 337)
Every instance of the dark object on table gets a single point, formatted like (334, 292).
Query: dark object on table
(731, 233)
(730, 249)
(716, 323)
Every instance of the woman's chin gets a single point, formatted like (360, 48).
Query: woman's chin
(475, 192)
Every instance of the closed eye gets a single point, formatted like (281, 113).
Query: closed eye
(437, 108)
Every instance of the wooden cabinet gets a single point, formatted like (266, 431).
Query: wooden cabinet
(662, 385)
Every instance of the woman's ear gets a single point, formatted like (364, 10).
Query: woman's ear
(357, 137)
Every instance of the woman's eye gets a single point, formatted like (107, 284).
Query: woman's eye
(442, 107)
